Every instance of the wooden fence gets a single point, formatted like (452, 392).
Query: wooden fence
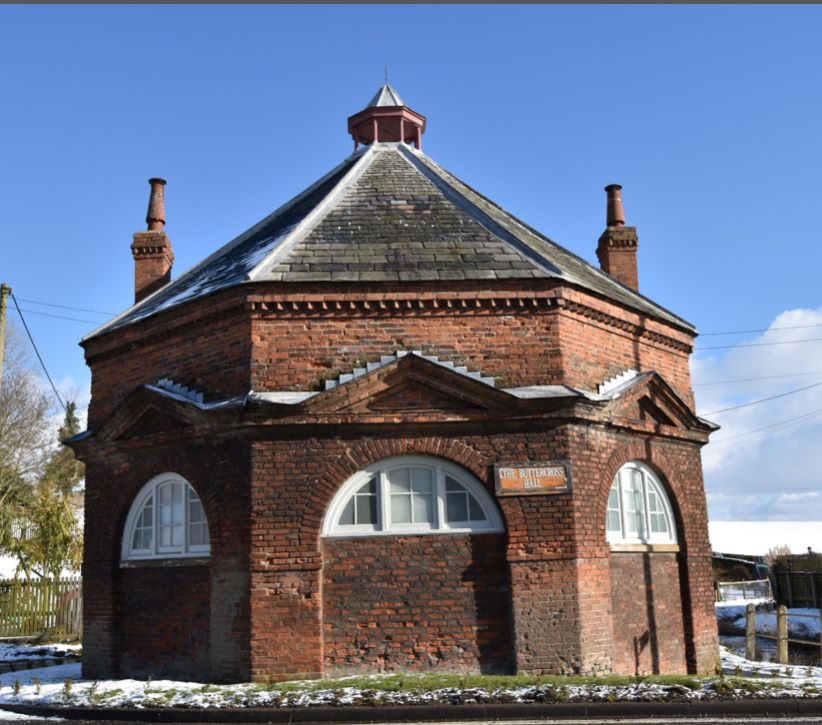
(799, 588)
(754, 589)
(781, 635)
(45, 606)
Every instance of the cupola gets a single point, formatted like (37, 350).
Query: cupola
(387, 119)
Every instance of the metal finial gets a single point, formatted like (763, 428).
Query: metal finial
(386, 75)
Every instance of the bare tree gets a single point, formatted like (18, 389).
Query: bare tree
(26, 438)
(775, 552)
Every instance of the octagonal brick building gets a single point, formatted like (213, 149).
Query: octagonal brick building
(391, 427)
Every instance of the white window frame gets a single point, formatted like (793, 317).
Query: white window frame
(384, 526)
(183, 551)
(650, 482)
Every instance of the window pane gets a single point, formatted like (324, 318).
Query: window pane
(347, 517)
(456, 508)
(400, 480)
(366, 509)
(613, 498)
(423, 508)
(475, 510)
(369, 487)
(196, 535)
(613, 521)
(422, 479)
(401, 509)
(452, 485)
(177, 535)
(195, 511)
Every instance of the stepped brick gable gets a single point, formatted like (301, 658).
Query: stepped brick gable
(300, 453)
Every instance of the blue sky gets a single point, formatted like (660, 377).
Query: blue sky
(709, 117)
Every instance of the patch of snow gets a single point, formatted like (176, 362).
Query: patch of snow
(9, 716)
(389, 359)
(802, 623)
(20, 652)
(617, 381)
(284, 397)
(62, 685)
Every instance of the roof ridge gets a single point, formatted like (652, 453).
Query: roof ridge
(225, 248)
(440, 170)
(482, 217)
(316, 215)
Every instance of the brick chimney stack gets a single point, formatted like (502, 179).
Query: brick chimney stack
(618, 244)
(153, 255)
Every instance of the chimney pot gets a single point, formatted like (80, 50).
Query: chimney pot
(156, 216)
(615, 216)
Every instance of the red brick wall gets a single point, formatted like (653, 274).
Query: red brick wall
(518, 346)
(596, 456)
(416, 603)
(206, 347)
(119, 604)
(165, 609)
(224, 347)
(647, 614)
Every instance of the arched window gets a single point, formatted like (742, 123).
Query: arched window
(411, 495)
(166, 520)
(638, 508)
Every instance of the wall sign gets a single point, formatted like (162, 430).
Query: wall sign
(529, 479)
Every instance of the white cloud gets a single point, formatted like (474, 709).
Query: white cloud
(766, 461)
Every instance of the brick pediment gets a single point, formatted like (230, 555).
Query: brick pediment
(652, 403)
(412, 384)
(144, 414)
(149, 422)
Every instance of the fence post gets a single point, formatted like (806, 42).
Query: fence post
(782, 634)
(750, 632)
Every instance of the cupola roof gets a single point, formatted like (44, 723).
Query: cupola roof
(386, 96)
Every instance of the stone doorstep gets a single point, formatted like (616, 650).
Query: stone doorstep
(429, 713)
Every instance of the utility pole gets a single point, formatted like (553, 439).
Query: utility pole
(5, 291)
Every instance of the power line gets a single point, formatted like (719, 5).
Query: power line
(761, 432)
(761, 400)
(61, 317)
(779, 424)
(752, 380)
(66, 307)
(758, 344)
(37, 352)
(764, 329)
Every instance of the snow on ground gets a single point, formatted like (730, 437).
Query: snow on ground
(20, 652)
(802, 623)
(62, 685)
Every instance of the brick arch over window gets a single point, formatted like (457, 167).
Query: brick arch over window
(209, 497)
(147, 534)
(669, 475)
(364, 453)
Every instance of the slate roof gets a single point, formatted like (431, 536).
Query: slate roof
(388, 213)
